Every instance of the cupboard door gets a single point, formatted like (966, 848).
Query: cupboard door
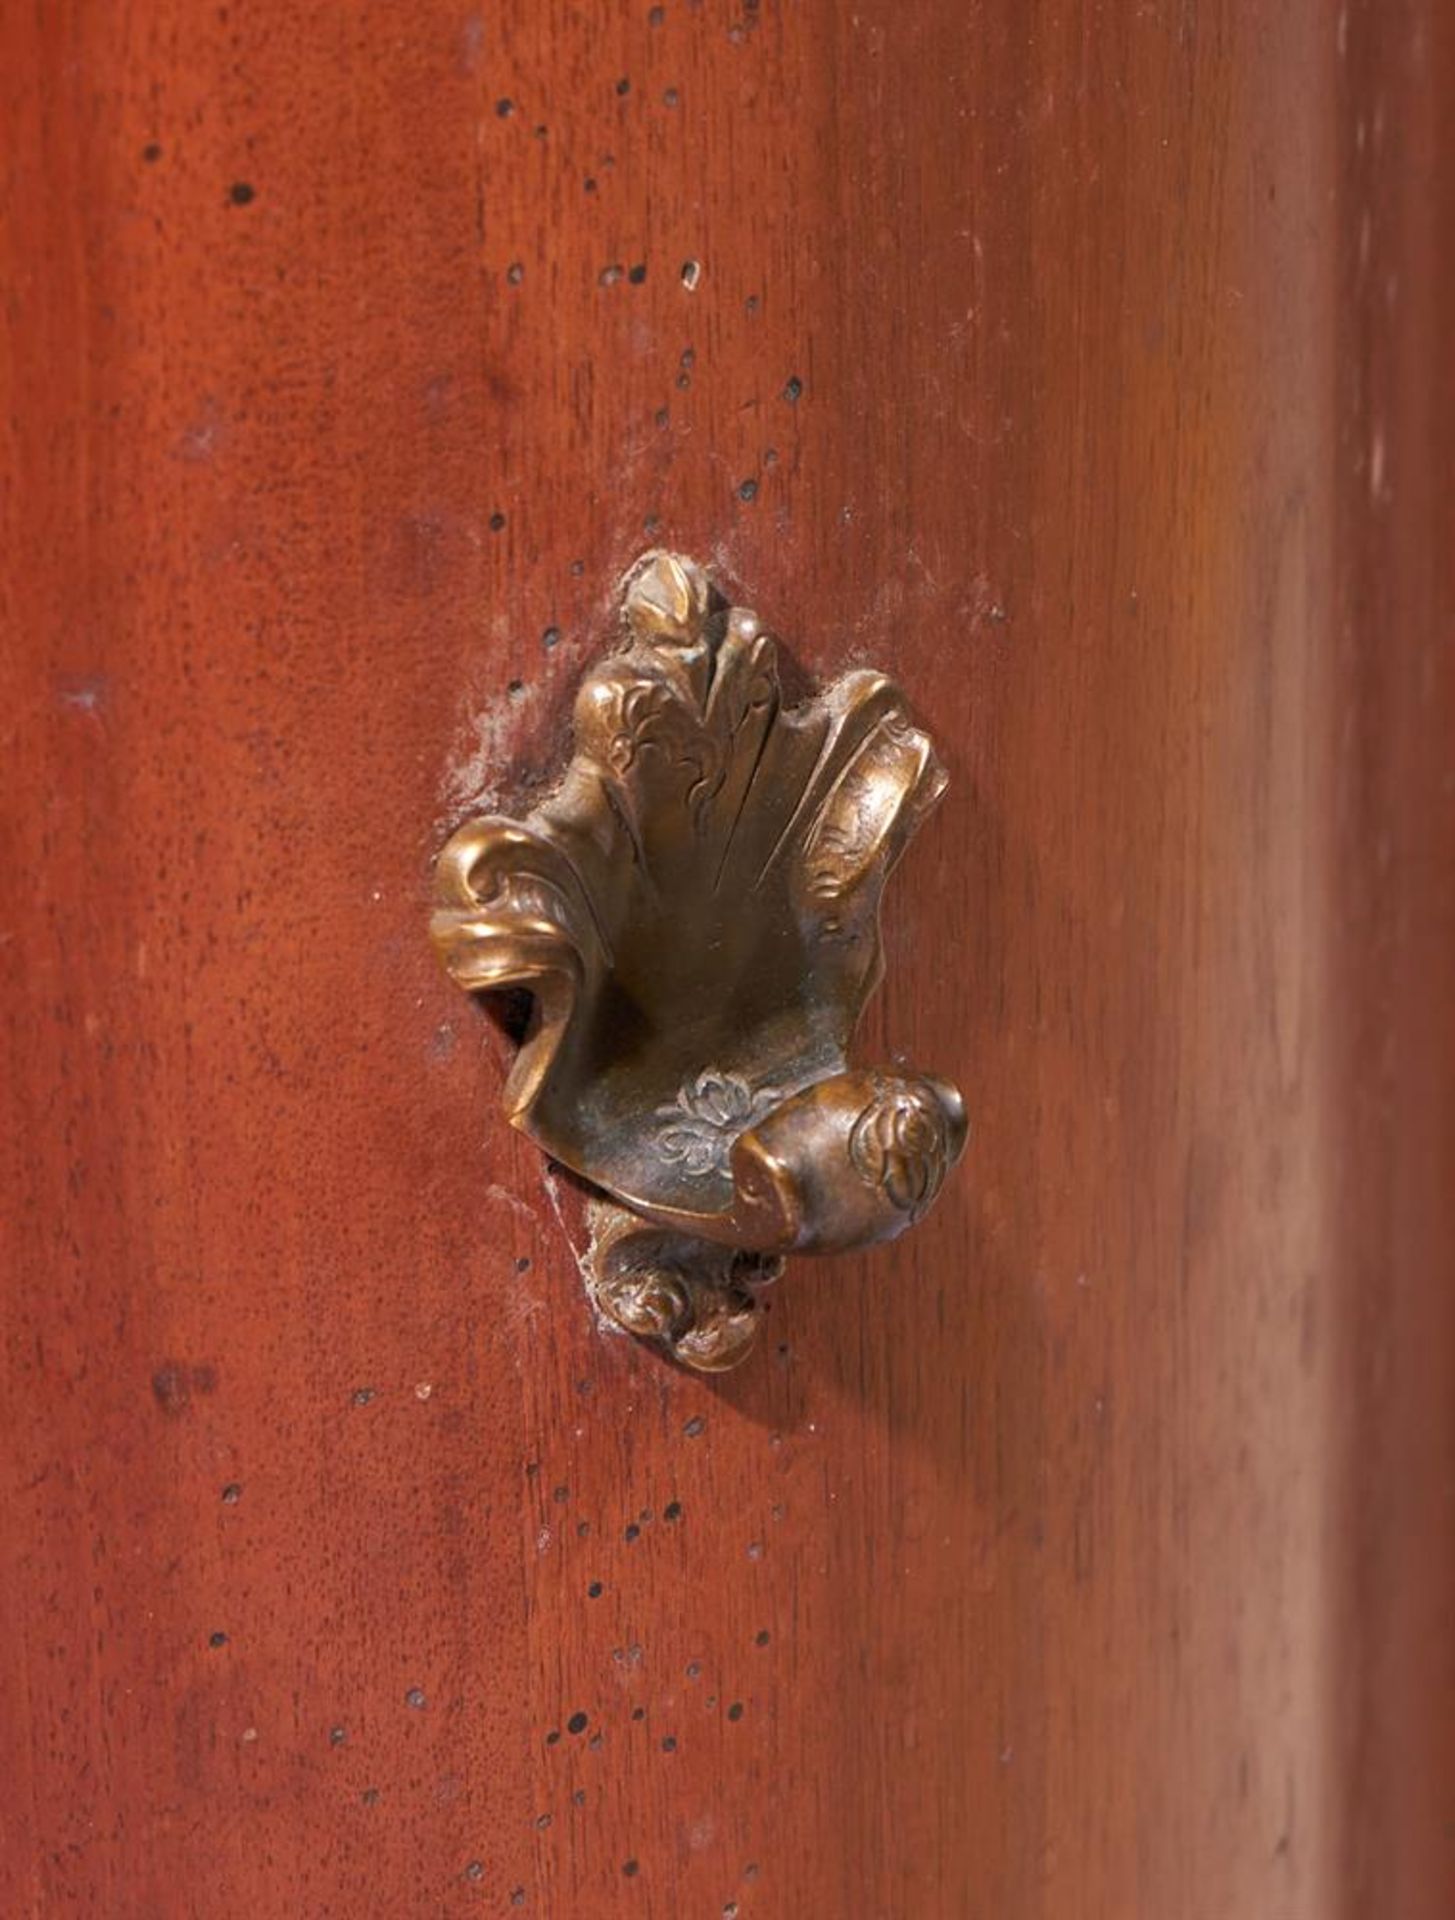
(1087, 1552)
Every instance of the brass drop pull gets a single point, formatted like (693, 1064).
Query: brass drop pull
(694, 913)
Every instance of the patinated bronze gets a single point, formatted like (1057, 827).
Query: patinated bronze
(694, 912)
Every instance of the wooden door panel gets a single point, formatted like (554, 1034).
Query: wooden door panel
(1088, 1551)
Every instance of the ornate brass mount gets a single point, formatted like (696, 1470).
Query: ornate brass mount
(694, 913)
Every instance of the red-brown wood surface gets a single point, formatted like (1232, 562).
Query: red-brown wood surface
(1089, 1552)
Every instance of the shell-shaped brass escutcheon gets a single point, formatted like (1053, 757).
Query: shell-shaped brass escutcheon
(694, 912)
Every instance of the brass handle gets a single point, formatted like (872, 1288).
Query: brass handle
(695, 913)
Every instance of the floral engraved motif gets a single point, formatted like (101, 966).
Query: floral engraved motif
(701, 1124)
(651, 715)
(640, 708)
(843, 851)
(900, 1144)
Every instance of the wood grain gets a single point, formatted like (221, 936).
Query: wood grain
(1089, 1553)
